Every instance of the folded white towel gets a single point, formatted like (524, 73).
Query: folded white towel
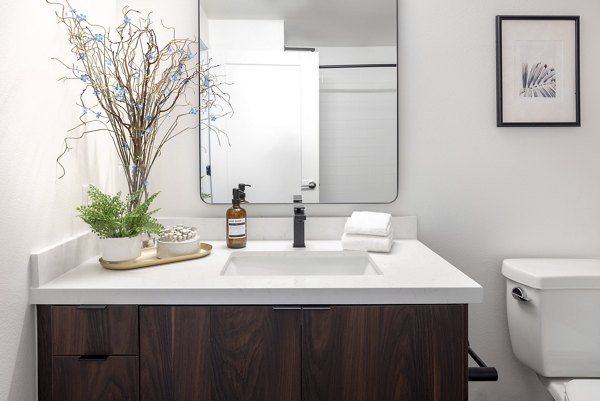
(372, 243)
(369, 223)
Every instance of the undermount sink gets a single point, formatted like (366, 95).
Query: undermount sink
(300, 263)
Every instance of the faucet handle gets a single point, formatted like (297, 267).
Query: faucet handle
(298, 206)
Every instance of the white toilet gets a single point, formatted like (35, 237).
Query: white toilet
(553, 308)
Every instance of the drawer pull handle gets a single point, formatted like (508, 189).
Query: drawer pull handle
(93, 358)
(317, 307)
(287, 307)
(92, 307)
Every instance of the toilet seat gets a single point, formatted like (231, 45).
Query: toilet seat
(583, 390)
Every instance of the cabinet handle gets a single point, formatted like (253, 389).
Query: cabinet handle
(100, 358)
(298, 307)
(92, 307)
(317, 307)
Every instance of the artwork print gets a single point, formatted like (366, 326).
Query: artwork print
(537, 71)
(538, 64)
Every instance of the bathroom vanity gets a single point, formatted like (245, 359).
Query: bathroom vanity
(193, 331)
(178, 352)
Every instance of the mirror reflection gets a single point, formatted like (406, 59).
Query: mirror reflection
(308, 100)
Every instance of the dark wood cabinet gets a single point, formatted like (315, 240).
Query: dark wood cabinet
(222, 353)
(384, 353)
(175, 353)
(88, 353)
(253, 353)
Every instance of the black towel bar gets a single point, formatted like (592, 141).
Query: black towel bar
(483, 373)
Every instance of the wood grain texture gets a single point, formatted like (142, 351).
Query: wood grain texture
(44, 352)
(174, 353)
(219, 353)
(385, 353)
(110, 331)
(256, 353)
(113, 379)
(250, 353)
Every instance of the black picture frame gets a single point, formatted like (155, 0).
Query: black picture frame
(548, 96)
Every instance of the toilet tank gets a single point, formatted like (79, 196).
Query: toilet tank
(557, 331)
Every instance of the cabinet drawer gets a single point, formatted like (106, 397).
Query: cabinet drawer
(114, 378)
(110, 330)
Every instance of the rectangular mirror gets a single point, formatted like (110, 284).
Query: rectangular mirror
(299, 97)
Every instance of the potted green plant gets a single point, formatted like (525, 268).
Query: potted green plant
(119, 223)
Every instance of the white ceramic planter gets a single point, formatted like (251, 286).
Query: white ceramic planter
(121, 249)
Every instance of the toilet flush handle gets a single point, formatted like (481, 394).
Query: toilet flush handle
(519, 294)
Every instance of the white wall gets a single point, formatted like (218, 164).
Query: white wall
(37, 210)
(256, 35)
(204, 32)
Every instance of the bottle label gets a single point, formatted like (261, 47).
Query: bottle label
(237, 228)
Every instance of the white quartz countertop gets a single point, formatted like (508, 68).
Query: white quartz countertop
(412, 274)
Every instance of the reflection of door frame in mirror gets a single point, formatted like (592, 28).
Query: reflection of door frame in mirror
(290, 132)
(372, 62)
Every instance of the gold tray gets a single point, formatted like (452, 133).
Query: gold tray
(149, 258)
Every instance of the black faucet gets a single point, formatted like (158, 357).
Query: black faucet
(299, 219)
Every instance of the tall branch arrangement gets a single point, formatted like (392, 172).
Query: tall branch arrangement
(141, 93)
(214, 101)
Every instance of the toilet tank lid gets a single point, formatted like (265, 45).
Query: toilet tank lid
(583, 390)
(549, 274)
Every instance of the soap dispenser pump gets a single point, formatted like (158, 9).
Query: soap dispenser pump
(242, 188)
(236, 222)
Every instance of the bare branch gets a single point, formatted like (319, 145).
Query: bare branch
(133, 87)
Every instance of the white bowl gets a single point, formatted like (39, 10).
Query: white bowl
(170, 249)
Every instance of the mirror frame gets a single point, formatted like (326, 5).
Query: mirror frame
(323, 203)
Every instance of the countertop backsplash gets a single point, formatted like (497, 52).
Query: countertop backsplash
(281, 228)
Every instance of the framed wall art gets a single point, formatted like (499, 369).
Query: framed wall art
(537, 71)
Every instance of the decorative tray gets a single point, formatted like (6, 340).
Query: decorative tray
(149, 258)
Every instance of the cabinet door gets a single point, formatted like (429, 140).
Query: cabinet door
(219, 353)
(385, 353)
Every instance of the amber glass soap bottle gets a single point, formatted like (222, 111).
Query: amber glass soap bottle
(236, 223)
